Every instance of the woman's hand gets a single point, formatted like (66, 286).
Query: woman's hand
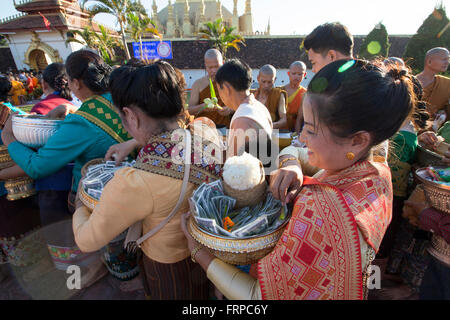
(286, 182)
(119, 152)
(428, 138)
(184, 221)
(7, 132)
(11, 173)
(61, 111)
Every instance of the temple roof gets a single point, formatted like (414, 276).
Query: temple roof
(63, 15)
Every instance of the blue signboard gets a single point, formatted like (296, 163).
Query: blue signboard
(153, 50)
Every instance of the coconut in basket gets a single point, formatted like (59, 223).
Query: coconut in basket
(244, 180)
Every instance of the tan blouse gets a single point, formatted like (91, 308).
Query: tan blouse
(131, 196)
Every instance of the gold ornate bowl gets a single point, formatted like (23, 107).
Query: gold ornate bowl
(240, 251)
(19, 188)
(438, 195)
(5, 159)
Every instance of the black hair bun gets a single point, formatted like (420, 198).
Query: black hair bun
(98, 76)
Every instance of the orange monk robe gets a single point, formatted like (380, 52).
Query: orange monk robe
(35, 82)
(294, 104)
(16, 91)
(215, 116)
(437, 94)
(273, 101)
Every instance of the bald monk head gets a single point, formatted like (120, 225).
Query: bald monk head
(266, 77)
(213, 61)
(437, 60)
(296, 73)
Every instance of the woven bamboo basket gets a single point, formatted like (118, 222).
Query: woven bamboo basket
(437, 195)
(19, 188)
(240, 251)
(92, 162)
(250, 197)
(87, 200)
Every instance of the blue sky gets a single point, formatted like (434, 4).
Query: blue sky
(300, 17)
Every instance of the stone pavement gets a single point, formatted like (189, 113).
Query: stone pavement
(13, 287)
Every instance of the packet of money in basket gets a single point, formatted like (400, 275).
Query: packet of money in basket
(254, 212)
(97, 176)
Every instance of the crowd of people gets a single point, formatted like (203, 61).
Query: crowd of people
(26, 86)
(359, 123)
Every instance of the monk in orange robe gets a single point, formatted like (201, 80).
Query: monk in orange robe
(201, 90)
(17, 92)
(275, 99)
(294, 112)
(436, 88)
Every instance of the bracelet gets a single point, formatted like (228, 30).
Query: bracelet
(286, 160)
(195, 251)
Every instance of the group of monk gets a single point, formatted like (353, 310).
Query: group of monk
(23, 85)
(283, 103)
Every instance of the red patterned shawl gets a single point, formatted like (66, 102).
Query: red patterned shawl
(319, 255)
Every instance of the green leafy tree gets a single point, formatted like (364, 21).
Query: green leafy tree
(434, 32)
(221, 36)
(3, 41)
(376, 44)
(138, 26)
(88, 37)
(102, 41)
(107, 44)
(118, 8)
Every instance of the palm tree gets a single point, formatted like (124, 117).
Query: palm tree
(101, 42)
(221, 36)
(107, 44)
(138, 26)
(87, 35)
(118, 8)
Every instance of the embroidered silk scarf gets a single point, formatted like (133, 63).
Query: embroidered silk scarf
(100, 111)
(164, 155)
(319, 255)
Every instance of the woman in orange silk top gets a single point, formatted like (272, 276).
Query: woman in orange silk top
(340, 215)
(149, 102)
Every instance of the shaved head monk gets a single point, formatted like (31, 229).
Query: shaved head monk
(436, 88)
(201, 90)
(275, 99)
(295, 92)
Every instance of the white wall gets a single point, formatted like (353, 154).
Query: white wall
(282, 77)
(20, 42)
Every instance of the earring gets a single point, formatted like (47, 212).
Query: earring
(350, 156)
